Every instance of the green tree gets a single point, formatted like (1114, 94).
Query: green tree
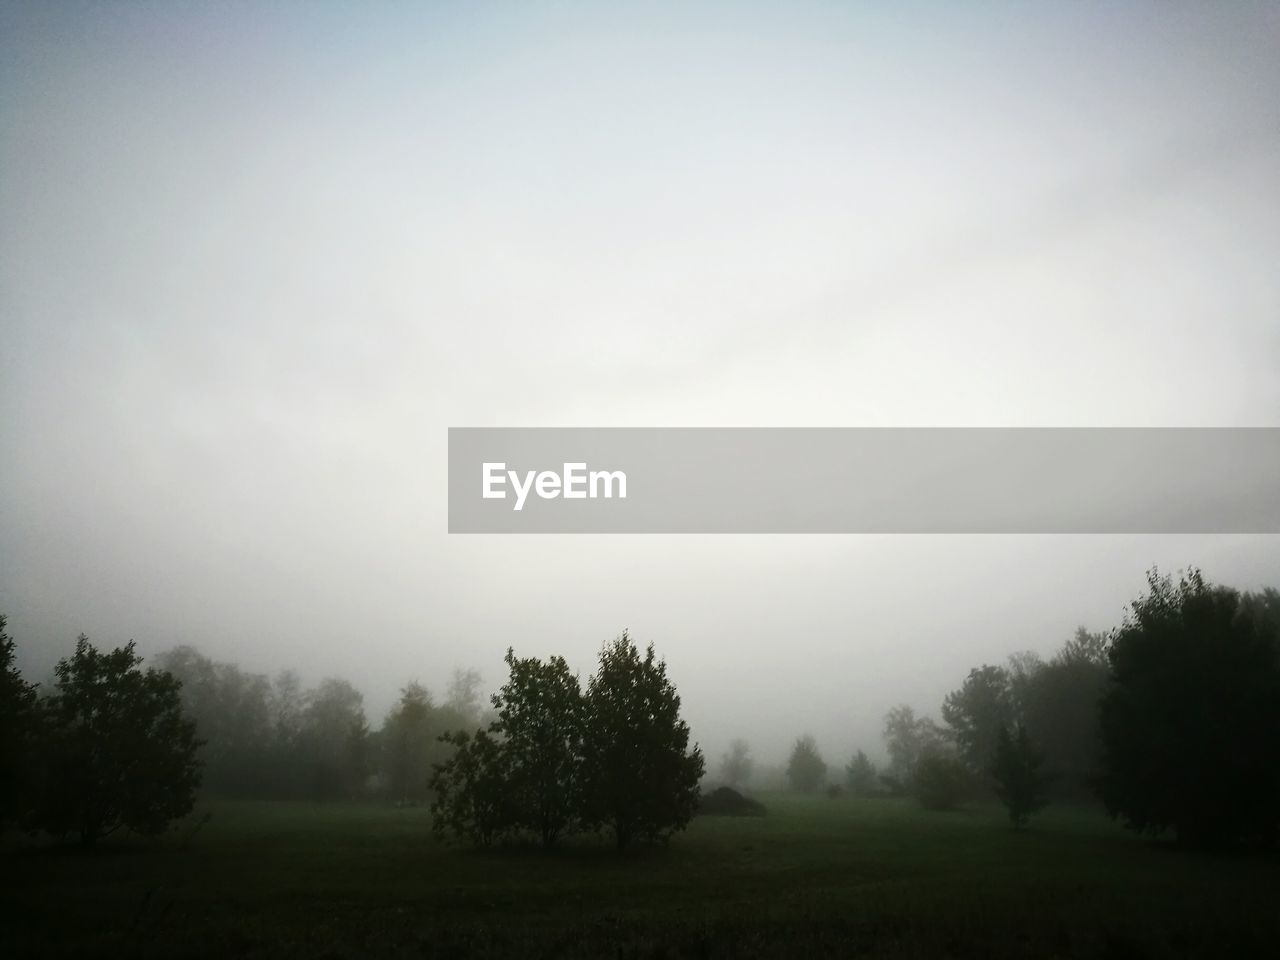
(1016, 770)
(471, 794)
(940, 781)
(908, 738)
(231, 710)
(640, 777)
(119, 751)
(1059, 704)
(540, 718)
(1191, 719)
(806, 770)
(860, 776)
(332, 741)
(18, 726)
(977, 713)
(407, 743)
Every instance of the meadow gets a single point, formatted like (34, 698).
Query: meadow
(816, 877)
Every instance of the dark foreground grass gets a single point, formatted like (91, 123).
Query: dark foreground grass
(816, 877)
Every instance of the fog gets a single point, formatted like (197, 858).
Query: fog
(255, 262)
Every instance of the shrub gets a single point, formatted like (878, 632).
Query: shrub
(940, 782)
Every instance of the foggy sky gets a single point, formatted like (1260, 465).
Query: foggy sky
(254, 260)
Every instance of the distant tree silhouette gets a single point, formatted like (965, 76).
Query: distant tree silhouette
(463, 698)
(735, 766)
(18, 720)
(640, 776)
(118, 751)
(1016, 770)
(860, 776)
(333, 755)
(1059, 705)
(806, 770)
(908, 738)
(232, 712)
(1191, 721)
(940, 781)
(407, 743)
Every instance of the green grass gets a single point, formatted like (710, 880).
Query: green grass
(816, 877)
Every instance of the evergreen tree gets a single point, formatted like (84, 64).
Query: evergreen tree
(1019, 783)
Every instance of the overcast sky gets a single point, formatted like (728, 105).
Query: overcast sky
(255, 259)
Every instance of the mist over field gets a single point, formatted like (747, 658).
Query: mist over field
(256, 261)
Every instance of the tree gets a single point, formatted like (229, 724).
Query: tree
(540, 718)
(806, 770)
(860, 776)
(232, 712)
(471, 789)
(907, 738)
(640, 777)
(331, 738)
(1191, 719)
(1059, 704)
(119, 751)
(18, 719)
(1016, 771)
(977, 713)
(463, 698)
(407, 743)
(940, 781)
(735, 766)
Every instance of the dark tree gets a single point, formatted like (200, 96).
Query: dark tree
(977, 713)
(1019, 783)
(735, 766)
(407, 742)
(332, 741)
(471, 794)
(18, 719)
(118, 753)
(640, 777)
(540, 719)
(1059, 704)
(806, 770)
(940, 781)
(1191, 721)
(860, 776)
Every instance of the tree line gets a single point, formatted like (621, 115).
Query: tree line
(113, 746)
(1171, 720)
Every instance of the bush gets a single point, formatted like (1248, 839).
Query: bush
(117, 751)
(940, 782)
(727, 802)
(472, 798)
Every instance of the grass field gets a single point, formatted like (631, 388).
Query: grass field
(816, 877)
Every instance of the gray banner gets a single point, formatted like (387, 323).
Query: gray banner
(855, 480)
